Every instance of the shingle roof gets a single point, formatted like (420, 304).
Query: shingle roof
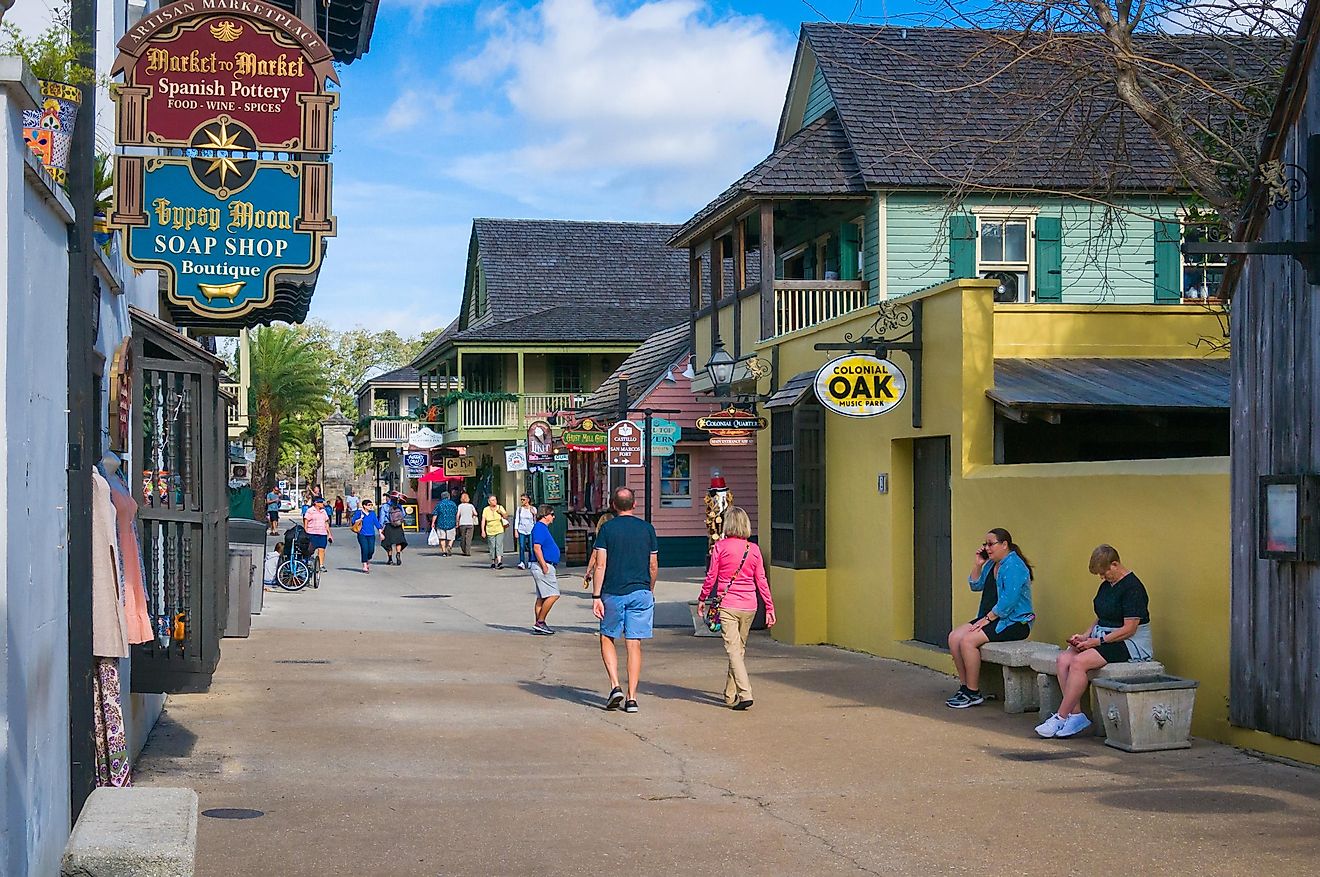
(579, 324)
(1135, 384)
(405, 375)
(436, 343)
(532, 265)
(930, 106)
(815, 161)
(645, 367)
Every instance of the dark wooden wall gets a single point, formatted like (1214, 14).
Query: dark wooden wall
(1275, 678)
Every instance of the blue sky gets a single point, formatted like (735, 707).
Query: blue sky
(573, 109)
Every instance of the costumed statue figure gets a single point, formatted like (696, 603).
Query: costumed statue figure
(719, 499)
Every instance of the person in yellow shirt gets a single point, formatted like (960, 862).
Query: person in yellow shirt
(494, 521)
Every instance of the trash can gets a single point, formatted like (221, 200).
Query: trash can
(250, 535)
(238, 620)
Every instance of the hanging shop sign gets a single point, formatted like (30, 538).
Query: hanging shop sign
(664, 436)
(625, 444)
(860, 385)
(731, 441)
(193, 61)
(515, 460)
(415, 463)
(731, 421)
(540, 442)
(121, 395)
(221, 229)
(587, 436)
(460, 467)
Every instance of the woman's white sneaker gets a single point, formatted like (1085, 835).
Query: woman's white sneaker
(1073, 725)
(1050, 726)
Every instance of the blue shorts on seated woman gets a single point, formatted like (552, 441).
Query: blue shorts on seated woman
(628, 615)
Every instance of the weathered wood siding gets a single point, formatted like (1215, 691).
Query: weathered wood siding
(819, 99)
(1275, 680)
(1111, 262)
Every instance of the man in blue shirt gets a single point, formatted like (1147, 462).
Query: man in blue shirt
(627, 563)
(273, 500)
(444, 520)
(545, 554)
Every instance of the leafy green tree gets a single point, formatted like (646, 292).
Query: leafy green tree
(288, 394)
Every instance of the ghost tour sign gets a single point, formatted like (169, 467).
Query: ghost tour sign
(238, 93)
(860, 385)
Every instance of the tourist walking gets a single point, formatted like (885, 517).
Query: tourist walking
(494, 521)
(393, 536)
(339, 511)
(524, 518)
(273, 500)
(1002, 574)
(317, 524)
(444, 520)
(467, 522)
(545, 554)
(367, 526)
(623, 593)
(1121, 633)
(352, 504)
(734, 579)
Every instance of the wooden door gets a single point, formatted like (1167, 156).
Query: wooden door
(932, 563)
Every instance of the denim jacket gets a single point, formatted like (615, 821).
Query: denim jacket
(1013, 580)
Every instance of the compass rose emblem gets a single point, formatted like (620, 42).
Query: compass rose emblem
(223, 156)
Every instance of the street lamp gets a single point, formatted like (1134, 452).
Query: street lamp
(720, 368)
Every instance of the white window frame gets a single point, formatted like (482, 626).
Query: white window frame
(1028, 294)
(1195, 262)
(676, 500)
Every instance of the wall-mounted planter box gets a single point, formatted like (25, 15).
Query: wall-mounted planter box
(1147, 715)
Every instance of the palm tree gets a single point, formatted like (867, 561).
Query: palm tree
(289, 380)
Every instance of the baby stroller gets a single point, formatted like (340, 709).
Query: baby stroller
(298, 567)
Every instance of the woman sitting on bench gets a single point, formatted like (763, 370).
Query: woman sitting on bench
(1003, 575)
(1121, 633)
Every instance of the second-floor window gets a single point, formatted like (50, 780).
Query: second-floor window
(1003, 254)
(566, 375)
(1202, 273)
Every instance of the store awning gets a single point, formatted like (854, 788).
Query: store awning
(792, 392)
(1168, 385)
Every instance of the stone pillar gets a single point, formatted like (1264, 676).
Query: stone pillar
(336, 459)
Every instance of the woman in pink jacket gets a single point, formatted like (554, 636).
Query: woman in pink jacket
(737, 575)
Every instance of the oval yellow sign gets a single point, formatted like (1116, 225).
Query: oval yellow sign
(858, 385)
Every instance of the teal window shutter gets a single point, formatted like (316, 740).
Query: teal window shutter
(809, 261)
(1168, 262)
(849, 241)
(962, 246)
(1049, 259)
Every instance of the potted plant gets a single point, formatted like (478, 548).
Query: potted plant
(53, 57)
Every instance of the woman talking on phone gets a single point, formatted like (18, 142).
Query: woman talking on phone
(1002, 574)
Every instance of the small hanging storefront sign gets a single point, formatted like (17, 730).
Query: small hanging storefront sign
(625, 444)
(460, 467)
(860, 385)
(586, 436)
(415, 462)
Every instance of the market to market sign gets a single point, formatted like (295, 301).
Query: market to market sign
(859, 385)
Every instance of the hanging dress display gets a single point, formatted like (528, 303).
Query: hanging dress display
(136, 616)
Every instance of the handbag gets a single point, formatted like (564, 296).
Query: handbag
(712, 618)
(356, 526)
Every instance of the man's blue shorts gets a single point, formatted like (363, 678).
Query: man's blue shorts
(628, 615)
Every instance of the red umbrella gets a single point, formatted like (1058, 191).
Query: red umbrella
(433, 475)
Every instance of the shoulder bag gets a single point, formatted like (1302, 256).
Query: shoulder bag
(356, 526)
(713, 604)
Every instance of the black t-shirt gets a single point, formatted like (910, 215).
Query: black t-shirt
(1125, 598)
(990, 593)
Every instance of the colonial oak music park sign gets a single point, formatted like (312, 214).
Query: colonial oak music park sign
(218, 83)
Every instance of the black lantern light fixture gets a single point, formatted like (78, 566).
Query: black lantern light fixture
(720, 368)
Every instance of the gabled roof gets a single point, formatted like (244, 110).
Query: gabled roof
(436, 343)
(532, 265)
(935, 106)
(577, 325)
(645, 367)
(404, 375)
(814, 161)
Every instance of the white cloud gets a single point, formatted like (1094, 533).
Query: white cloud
(659, 105)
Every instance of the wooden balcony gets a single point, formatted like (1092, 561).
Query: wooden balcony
(482, 415)
(800, 304)
(385, 433)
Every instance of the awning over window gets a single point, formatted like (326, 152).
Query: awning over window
(792, 392)
(1116, 384)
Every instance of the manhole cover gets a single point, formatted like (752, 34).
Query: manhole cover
(232, 813)
(304, 661)
(426, 596)
(1031, 755)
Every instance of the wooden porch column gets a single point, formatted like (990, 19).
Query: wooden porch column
(694, 296)
(458, 406)
(521, 390)
(716, 286)
(739, 282)
(767, 271)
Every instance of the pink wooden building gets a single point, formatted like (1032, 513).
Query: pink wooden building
(658, 375)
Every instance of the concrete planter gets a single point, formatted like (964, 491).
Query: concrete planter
(699, 627)
(1146, 715)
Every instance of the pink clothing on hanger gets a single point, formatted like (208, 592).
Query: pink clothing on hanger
(130, 563)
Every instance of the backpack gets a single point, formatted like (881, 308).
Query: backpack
(396, 515)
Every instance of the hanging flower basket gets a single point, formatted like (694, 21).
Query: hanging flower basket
(48, 131)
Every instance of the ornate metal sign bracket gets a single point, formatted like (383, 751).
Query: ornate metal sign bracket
(897, 326)
(1287, 184)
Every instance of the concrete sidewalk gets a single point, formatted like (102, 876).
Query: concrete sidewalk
(406, 723)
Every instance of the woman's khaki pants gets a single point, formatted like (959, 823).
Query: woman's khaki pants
(735, 625)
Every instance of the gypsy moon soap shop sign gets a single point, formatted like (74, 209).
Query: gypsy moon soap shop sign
(221, 248)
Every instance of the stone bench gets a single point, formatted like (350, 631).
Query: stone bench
(1019, 692)
(1048, 695)
(135, 832)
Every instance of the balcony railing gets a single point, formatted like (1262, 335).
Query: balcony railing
(540, 404)
(390, 432)
(803, 303)
(235, 410)
(503, 414)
